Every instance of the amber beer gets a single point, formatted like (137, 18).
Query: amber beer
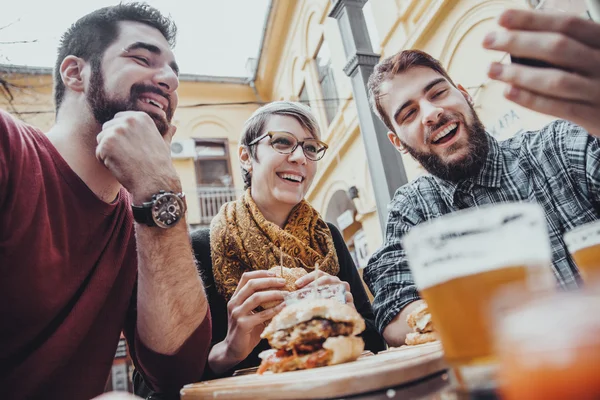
(583, 243)
(459, 261)
(549, 347)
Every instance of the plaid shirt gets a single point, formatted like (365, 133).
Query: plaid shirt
(556, 167)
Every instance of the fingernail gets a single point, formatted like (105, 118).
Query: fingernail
(489, 39)
(270, 273)
(512, 92)
(495, 70)
(281, 280)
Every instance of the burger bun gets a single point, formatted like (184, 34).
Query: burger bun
(290, 275)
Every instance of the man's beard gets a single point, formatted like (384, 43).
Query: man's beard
(467, 167)
(104, 109)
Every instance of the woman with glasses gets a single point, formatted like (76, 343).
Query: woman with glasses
(269, 225)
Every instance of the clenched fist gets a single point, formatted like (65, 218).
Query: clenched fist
(134, 151)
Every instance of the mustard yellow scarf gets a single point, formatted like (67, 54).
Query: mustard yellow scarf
(241, 240)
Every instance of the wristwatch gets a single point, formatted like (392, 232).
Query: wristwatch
(165, 210)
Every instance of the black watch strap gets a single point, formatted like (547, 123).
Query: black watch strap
(143, 214)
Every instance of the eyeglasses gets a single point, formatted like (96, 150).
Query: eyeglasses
(286, 143)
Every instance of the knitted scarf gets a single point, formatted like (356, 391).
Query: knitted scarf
(243, 240)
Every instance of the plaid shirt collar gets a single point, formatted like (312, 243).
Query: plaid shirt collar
(489, 176)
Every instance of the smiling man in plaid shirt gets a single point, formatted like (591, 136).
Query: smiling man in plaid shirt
(433, 120)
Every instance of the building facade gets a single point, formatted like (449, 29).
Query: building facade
(302, 59)
(209, 119)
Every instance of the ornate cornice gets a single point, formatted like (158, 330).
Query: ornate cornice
(368, 59)
(25, 69)
(339, 5)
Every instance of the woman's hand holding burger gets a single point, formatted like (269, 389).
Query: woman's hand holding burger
(245, 324)
(322, 278)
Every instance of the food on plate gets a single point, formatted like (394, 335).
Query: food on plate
(414, 338)
(420, 322)
(310, 334)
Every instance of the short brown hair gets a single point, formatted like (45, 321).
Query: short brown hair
(255, 125)
(394, 65)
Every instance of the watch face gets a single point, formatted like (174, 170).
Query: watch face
(167, 210)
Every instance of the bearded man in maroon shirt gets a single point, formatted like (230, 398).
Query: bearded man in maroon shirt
(93, 239)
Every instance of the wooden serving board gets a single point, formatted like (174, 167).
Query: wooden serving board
(389, 368)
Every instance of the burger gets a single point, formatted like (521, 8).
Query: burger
(310, 334)
(290, 275)
(420, 322)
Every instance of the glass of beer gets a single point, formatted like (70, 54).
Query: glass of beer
(583, 243)
(460, 260)
(549, 347)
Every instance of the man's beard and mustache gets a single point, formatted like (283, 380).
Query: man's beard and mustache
(104, 109)
(467, 167)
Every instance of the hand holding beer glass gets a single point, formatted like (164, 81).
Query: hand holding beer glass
(459, 261)
(583, 243)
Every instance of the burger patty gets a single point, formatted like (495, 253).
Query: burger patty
(309, 336)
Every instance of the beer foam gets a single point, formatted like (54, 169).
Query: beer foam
(477, 240)
(583, 236)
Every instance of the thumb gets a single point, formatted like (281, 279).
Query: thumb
(170, 133)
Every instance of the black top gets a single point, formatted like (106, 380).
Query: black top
(218, 304)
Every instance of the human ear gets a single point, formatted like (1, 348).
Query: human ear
(72, 73)
(397, 143)
(465, 94)
(245, 159)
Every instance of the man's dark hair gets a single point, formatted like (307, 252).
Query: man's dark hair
(394, 65)
(91, 35)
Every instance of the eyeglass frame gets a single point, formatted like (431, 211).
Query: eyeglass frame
(298, 143)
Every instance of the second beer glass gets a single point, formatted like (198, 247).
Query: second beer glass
(583, 243)
(459, 261)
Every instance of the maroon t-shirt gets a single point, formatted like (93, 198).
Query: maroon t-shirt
(68, 269)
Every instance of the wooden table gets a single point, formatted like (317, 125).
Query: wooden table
(415, 371)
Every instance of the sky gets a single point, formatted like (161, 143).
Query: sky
(215, 37)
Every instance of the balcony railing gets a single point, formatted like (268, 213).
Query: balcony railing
(211, 198)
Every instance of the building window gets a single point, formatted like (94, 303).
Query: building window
(213, 177)
(212, 163)
(330, 99)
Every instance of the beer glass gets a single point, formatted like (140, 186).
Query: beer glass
(549, 347)
(460, 260)
(583, 243)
